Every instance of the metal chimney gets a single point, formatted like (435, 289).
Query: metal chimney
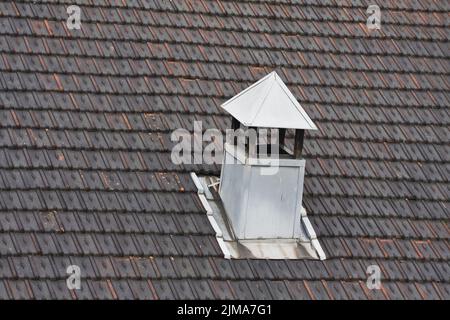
(265, 206)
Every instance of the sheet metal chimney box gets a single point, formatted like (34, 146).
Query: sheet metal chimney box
(259, 205)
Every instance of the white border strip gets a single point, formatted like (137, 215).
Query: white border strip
(223, 246)
(205, 204)
(219, 235)
(209, 213)
(312, 235)
(215, 226)
(197, 183)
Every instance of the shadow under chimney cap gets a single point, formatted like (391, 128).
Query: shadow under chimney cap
(268, 103)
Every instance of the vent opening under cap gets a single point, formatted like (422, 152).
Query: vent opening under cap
(256, 205)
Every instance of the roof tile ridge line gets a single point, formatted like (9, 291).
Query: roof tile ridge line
(384, 217)
(106, 170)
(162, 191)
(239, 29)
(398, 237)
(304, 4)
(138, 171)
(92, 90)
(185, 113)
(272, 49)
(288, 4)
(263, 100)
(203, 78)
(104, 190)
(140, 23)
(91, 129)
(113, 232)
(335, 104)
(133, 75)
(402, 106)
(191, 61)
(295, 102)
(285, 48)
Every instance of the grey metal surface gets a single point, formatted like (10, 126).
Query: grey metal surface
(268, 103)
(258, 205)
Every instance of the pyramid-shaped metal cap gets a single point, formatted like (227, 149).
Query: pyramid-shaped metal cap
(268, 103)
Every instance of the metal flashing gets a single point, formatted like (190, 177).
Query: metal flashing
(305, 247)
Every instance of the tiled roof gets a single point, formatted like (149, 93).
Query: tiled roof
(85, 123)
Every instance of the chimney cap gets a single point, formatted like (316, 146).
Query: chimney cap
(268, 103)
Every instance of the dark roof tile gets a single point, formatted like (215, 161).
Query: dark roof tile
(40, 290)
(262, 291)
(183, 289)
(428, 291)
(102, 290)
(19, 289)
(141, 289)
(59, 289)
(278, 290)
(317, 290)
(354, 290)
(336, 290)
(163, 289)
(222, 290)
(442, 269)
